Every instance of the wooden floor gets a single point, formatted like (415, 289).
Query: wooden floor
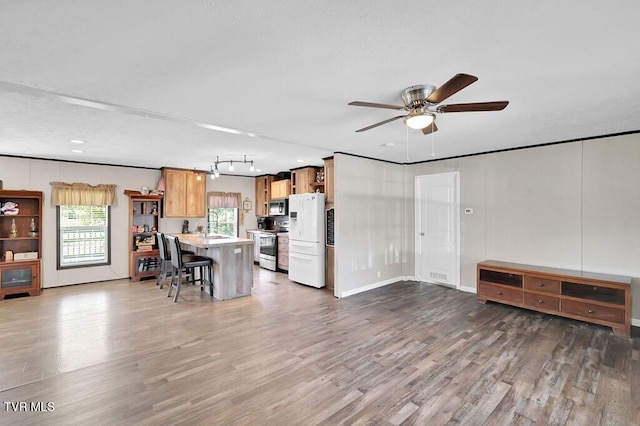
(123, 353)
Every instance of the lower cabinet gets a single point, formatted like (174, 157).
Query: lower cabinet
(330, 268)
(144, 264)
(20, 277)
(597, 298)
(255, 236)
(283, 252)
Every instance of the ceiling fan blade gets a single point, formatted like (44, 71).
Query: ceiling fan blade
(374, 105)
(454, 85)
(379, 124)
(431, 128)
(477, 106)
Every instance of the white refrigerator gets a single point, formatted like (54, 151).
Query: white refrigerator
(306, 239)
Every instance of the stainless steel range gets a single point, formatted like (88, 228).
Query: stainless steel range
(269, 250)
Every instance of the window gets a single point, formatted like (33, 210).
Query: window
(83, 236)
(223, 221)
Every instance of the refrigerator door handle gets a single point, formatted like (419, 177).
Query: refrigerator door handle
(301, 256)
(293, 243)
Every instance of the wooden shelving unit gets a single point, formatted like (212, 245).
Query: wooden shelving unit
(21, 276)
(144, 214)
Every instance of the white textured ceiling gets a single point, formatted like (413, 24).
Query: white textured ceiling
(282, 72)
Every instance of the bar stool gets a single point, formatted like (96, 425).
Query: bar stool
(181, 261)
(165, 270)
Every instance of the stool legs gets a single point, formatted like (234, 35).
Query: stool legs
(177, 274)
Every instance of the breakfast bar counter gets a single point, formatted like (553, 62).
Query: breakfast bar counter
(232, 262)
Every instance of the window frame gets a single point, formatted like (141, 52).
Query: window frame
(59, 228)
(236, 225)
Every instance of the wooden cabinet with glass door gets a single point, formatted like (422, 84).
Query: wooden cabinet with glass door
(144, 258)
(20, 242)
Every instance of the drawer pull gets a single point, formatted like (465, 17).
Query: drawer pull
(540, 284)
(591, 311)
(540, 301)
(499, 293)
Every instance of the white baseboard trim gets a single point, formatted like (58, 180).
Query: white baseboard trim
(635, 322)
(368, 287)
(468, 289)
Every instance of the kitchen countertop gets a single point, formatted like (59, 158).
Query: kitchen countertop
(268, 231)
(210, 241)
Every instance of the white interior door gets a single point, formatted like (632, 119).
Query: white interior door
(438, 228)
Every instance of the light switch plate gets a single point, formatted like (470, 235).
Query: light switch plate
(468, 210)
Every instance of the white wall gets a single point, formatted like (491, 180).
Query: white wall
(370, 216)
(35, 175)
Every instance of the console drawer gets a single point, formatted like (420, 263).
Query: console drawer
(588, 310)
(542, 284)
(538, 301)
(501, 293)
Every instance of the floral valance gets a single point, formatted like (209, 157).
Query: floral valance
(217, 200)
(82, 194)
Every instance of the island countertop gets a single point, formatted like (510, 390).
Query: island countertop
(210, 241)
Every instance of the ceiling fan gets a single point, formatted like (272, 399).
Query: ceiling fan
(422, 104)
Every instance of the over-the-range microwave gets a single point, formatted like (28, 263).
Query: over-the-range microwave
(279, 207)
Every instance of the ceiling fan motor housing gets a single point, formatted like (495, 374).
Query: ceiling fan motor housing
(416, 96)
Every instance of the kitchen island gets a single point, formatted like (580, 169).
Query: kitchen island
(232, 262)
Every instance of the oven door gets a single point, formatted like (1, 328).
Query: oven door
(268, 251)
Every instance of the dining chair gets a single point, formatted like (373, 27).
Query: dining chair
(180, 261)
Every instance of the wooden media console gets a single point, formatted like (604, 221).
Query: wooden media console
(596, 298)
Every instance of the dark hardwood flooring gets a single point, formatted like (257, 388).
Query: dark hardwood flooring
(121, 353)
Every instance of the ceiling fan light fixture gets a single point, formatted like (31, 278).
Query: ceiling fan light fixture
(419, 119)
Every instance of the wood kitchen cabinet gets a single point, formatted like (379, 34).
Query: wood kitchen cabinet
(185, 193)
(303, 179)
(263, 194)
(328, 181)
(283, 251)
(330, 268)
(280, 189)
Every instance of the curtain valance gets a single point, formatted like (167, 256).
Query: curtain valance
(82, 194)
(217, 200)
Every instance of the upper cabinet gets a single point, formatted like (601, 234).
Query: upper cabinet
(305, 180)
(328, 181)
(185, 193)
(280, 189)
(263, 195)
